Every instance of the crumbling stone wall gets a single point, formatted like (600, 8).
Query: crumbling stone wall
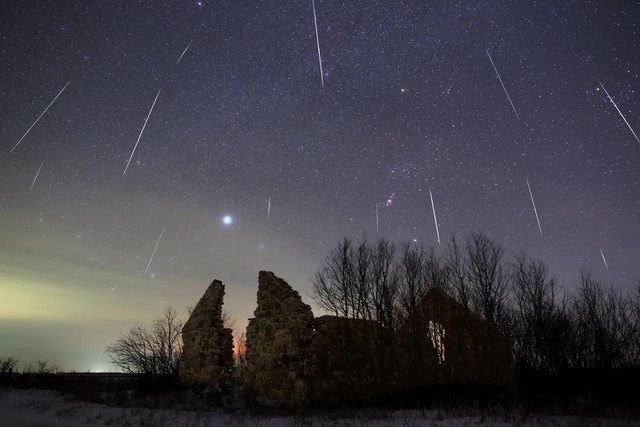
(461, 348)
(207, 355)
(278, 338)
(295, 359)
(346, 363)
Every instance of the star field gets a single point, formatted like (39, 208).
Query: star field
(410, 102)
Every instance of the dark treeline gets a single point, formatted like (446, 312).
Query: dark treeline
(379, 285)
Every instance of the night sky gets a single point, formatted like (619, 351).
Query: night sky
(410, 102)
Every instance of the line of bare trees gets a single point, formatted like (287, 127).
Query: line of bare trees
(9, 365)
(593, 325)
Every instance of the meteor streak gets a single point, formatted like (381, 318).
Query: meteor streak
(604, 260)
(377, 221)
(619, 112)
(534, 208)
(154, 250)
(140, 136)
(503, 87)
(269, 209)
(185, 51)
(433, 208)
(36, 177)
(39, 117)
(315, 22)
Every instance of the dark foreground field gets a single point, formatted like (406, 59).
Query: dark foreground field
(29, 407)
(576, 398)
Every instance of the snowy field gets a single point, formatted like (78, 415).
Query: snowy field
(49, 408)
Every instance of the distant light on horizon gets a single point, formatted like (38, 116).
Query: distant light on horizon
(227, 220)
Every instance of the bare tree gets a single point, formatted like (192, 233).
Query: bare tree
(240, 351)
(634, 353)
(457, 269)
(155, 351)
(384, 283)
(228, 321)
(44, 367)
(333, 282)
(8, 364)
(359, 284)
(413, 283)
(41, 367)
(488, 279)
(605, 320)
(541, 324)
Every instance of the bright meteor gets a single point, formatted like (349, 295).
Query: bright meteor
(154, 250)
(619, 112)
(604, 259)
(140, 136)
(503, 87)
(36, 177)
(269, 209)
(433, 208)
(39, 117)
(534, 208)
(184, 51)
(315, 23)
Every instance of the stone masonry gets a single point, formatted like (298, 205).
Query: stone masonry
(278, 338)
(207, 357)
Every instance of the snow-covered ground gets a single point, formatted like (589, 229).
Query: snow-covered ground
(49, 408)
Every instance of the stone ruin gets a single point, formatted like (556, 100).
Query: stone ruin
(295, 359)
(278, 338)
(461, 347)
(207, 352)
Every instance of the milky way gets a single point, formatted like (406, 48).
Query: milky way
(410, 102)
